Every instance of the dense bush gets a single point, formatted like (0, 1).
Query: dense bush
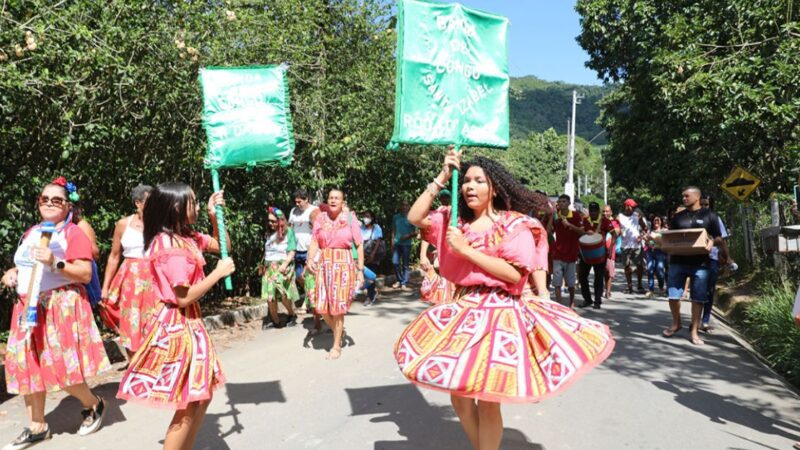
(769, 325)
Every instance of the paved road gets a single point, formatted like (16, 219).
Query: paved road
(652, 393)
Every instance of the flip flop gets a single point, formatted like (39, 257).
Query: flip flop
(668, 333)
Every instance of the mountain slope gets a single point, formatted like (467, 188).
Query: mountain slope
(536, 105)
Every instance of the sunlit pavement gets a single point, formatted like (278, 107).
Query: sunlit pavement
(652, 393)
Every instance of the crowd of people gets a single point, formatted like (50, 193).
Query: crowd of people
(488, 277)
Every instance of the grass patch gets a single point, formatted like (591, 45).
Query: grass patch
(769, 325)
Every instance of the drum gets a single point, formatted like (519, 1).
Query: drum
(593, 249)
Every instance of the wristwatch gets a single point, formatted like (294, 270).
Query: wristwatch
(58, 264)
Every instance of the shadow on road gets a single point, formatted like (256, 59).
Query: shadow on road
(212, 434)
(66, 417)
(424, 426)
(728, 409)
(323, 340)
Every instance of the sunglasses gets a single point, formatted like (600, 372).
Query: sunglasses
(55, 201)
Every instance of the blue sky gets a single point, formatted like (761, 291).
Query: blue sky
(541, 39)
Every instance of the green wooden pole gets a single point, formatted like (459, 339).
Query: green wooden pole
(223, 236)
(455, 192)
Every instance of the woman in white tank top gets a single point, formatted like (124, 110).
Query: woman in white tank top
(127, 289)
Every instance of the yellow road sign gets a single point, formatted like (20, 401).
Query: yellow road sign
(740, 184)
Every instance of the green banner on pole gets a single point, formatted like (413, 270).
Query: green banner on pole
(452, 76)
(246, 116)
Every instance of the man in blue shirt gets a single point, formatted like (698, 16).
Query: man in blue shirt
(402, 234)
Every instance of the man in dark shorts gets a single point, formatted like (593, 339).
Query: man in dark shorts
(595, 223)
(694, 267)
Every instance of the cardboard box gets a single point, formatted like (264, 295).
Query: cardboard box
(691, 241)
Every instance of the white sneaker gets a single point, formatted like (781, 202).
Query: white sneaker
(92, 418)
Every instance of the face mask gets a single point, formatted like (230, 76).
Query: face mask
(367, 221)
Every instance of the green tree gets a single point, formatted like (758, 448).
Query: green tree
(701, 87)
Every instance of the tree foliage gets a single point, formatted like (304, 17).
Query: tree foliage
(106, 93)
(702, 86)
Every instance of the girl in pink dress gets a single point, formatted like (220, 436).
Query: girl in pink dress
(489, 345)
(336, 236)
(128, 288)
(176, 366)
(64, 348)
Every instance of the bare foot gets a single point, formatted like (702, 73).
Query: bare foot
(697, 341)
(335, 353)
(669, 332)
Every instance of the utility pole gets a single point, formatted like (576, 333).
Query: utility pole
(569, 186)
(605, 185)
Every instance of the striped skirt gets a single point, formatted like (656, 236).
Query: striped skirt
(493, 346)
(336, 282)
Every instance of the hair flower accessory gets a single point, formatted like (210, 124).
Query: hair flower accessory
(72, 190)
(278, 213)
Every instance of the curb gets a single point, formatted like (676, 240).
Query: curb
(745, 344)
(236, 317)
(246, 314)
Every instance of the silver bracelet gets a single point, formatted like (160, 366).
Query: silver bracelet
(437, 183)
(433, 189)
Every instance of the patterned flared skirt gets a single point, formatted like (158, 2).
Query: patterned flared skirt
(493, 346)
(276, 284)
(336, 282)
(176, 364)
(435, 288)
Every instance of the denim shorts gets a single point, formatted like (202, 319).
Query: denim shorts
(678, 273)
(299, 264)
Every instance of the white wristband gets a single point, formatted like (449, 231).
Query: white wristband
(437, 183)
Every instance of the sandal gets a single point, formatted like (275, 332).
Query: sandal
(669, 332)
(696, 341)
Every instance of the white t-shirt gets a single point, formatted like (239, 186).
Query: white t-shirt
(714, 254)
(631, 230)
(300, 222)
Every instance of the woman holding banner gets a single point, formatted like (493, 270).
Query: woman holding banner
(176, 366)
(62, 347)
(340, 270)
(488, 335)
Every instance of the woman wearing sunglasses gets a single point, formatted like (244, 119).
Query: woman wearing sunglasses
(64, 347)
(277, 282)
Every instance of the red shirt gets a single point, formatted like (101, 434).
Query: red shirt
(565, 248)
(605, 226)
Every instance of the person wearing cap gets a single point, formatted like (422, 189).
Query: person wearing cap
(632, 228)
(595, 223)
(568, 228)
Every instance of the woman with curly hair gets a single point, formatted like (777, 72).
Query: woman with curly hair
(489, 345)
